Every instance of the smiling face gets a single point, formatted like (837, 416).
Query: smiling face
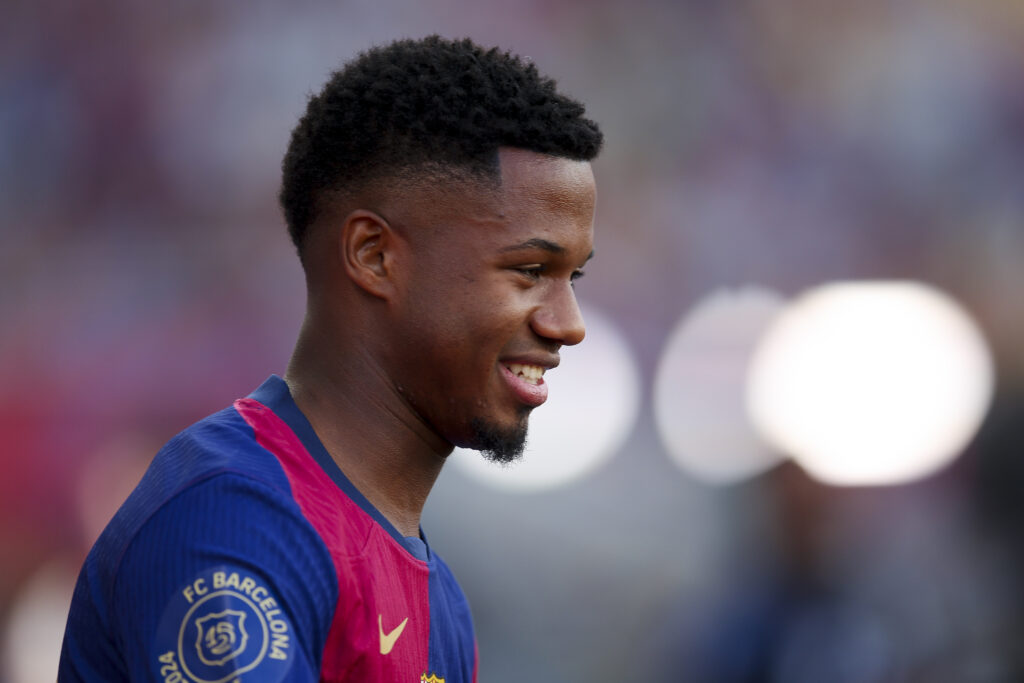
(487, 297)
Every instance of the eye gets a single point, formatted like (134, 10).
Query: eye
(576, 275)
(531, 271)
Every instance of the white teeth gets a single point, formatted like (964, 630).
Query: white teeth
(531, 373)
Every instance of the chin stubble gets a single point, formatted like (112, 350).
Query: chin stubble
(499, 444)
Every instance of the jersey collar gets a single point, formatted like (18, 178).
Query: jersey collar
(274, 394)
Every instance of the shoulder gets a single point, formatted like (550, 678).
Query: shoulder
(211, 543)
(211, 490)
(209, 565)
(221, 445)
(231, 553)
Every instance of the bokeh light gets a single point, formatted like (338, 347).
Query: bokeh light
(593, 404)
(700, 386)
(32, 640)
(871, 382)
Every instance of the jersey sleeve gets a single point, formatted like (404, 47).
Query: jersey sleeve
(226, 580)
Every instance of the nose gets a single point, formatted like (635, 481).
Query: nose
(559, 318)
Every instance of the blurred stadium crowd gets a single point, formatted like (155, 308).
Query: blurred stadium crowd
(148, 280)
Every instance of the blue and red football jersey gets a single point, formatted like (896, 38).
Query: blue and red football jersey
(245, 554)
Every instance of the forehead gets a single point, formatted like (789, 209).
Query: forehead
(539, 197)
(531, 181)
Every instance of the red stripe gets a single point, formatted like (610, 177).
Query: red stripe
(377, 578)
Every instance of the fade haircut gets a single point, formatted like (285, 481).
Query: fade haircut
(415, 105)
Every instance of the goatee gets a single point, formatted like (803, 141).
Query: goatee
(499, 444)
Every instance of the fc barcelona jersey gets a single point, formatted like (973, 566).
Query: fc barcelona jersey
(245, 554)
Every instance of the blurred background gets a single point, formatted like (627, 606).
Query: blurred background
(756, 151)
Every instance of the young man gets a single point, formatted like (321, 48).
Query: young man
(441, 200)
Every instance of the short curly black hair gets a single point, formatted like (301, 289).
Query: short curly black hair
(431, 103)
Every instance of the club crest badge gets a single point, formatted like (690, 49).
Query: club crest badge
(221, 636)
(432, 678)
(224, 623)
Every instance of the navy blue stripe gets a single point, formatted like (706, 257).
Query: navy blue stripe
(451, 647)
(275, 395)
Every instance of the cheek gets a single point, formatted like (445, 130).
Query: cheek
(463, 320)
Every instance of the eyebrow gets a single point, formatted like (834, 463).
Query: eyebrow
(540, 243)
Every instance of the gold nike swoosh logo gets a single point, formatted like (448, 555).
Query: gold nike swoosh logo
(388, 640)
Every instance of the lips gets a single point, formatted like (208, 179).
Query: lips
(526, 382)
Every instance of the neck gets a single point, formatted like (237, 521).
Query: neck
(370, 431)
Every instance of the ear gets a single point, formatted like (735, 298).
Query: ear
(369, 252)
